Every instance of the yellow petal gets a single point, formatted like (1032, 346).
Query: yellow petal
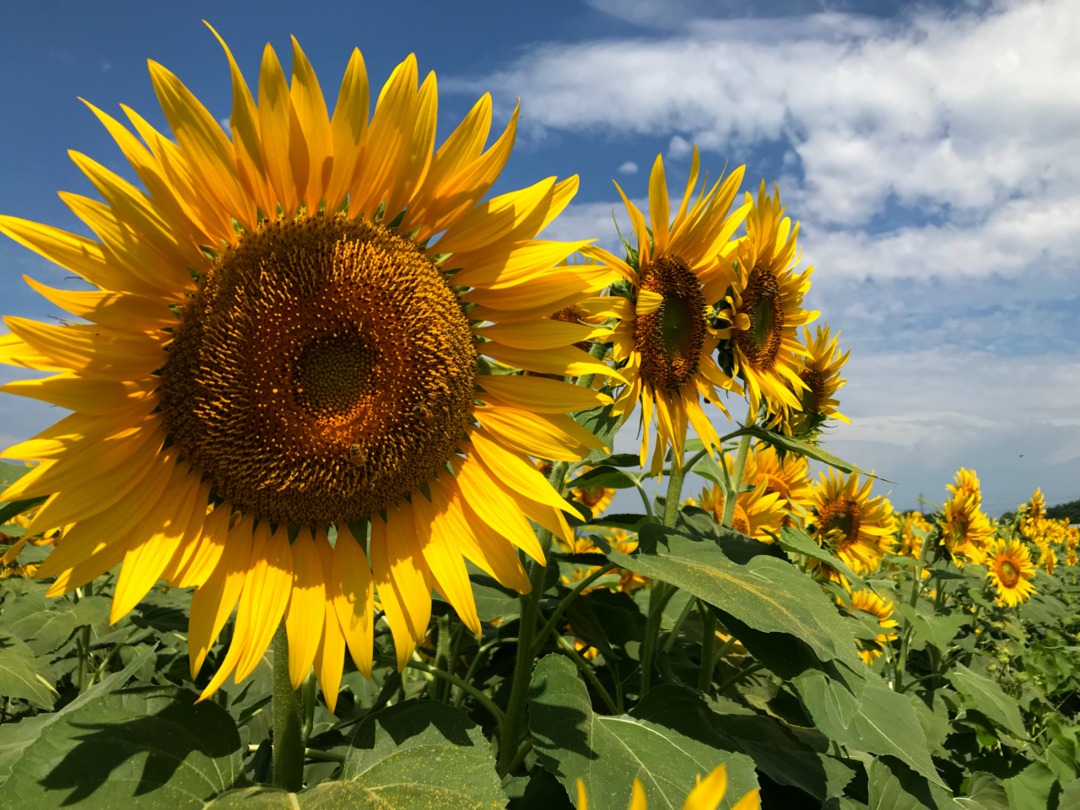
(156, 540)
(517, 473)
(567, 361)
(348, 127)
(214, 601)
(310, 106)
(401, 579)
(540, 394)
(709, 792)
(265, 597)
(444, 560)
(658, 206)
(353, 597)
(307, 607)
(330, 658)
(497, 508)
(287, 168)
(516, 263)
(538, 335)
(551, 436)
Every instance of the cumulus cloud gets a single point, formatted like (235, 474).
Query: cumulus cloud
(629, 167)
(959, 110)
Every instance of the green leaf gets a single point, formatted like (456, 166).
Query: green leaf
(985, 792)
(254, 798)
(24, 676)
(493, 600)
(766, 594)
(1032, 787)
(604, 476)
(984, 695)
(938, 631)
(15, 737)
(797, 541)
(149, 747)
(790, 445)
(10, 510)
(778, 753)
(602, 425)
(414, 754)
(9, 474)
(857, 710)
(608, 753)
(892, 786)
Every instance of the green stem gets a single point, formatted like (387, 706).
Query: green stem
(735, 480)
(905, 637)
(453, 679)
(708, 646)
(587, 671)
(750, 669)
(553, 622)
(288, 728)
(513, 728)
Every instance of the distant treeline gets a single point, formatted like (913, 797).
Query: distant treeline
(1070, 510)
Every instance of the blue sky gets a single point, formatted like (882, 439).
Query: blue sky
(931, 152)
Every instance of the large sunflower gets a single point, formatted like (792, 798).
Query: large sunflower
(296, 389)
(663, 342)
(1010, 570)
(848, 522)
(765, 308)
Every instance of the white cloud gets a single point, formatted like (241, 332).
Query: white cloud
(629, 167)
(964, 111)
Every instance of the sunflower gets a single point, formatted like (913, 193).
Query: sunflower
(1010, 571)
(298, 385)
(966, 483)
(1032, 515)
(785, 475)
(869, 602)
(819, 371)
(706, 795)
(965, 530)
(663, 341)
(914, 528)
(764, 308)
(845, 520)
(1048, 560)
(758, 514)
(597, 499)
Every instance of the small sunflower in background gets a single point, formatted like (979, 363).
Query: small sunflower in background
(855, 527)
(663, 342)
(966, 483)
(868, 602)
(1010, 570)
(914, 528)
(1048, 560)
(787, 475)
(1032, 514)
(965, 529)
(309, 327)
(758, 513)
(819, 371)
(764, 308)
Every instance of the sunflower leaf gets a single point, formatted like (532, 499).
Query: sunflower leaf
(981, 694)
(604, 476)
(663, 743)
(144, 747)
(782, 442)
(767, 594)
(414, 754)
(24, 676)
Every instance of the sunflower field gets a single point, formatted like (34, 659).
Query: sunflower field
(366, 495)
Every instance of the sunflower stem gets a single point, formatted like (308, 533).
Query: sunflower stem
(552, 622)
(708, 647)
(288, 721)
(735, 479)
(587, 671)
(660, 593)
(513, 728)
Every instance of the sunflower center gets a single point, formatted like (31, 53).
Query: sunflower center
(761, 304)
(1008, 573)
(671, 337)
(839, 521)
(323, 371)
(814, 394)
